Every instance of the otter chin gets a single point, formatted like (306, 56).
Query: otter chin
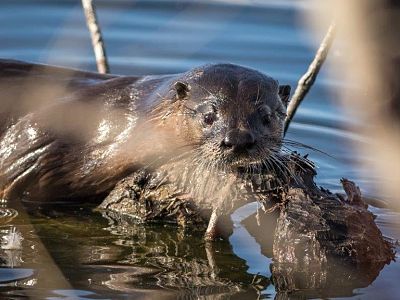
(71, 135)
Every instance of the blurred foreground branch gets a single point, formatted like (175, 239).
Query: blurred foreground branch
(307, 80)
(97, 39)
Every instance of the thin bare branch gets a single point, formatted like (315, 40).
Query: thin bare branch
(307, 80)
(97, 39)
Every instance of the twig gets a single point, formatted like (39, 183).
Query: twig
(97, 39)
(307, 80)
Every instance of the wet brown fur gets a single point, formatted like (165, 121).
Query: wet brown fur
(51, 143)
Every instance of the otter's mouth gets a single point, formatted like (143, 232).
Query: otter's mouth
(243, 160)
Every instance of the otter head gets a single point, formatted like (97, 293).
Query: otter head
(233, 115)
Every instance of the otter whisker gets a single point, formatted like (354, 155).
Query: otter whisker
(301, 145)
(269, 166)
(283, 167)
(273, 162)
(288, 154)
(298, 159)
(277, 153)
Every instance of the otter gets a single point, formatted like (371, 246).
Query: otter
(70, 135)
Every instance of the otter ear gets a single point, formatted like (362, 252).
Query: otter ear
(284, 93)
(182, 90)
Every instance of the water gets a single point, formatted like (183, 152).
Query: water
(81, 254)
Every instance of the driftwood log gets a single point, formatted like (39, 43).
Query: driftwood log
(318, 241)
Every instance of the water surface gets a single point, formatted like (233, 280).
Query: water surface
(85, 255)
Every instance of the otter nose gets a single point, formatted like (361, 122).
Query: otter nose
(238, 139)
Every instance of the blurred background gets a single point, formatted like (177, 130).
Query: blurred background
(278, 38)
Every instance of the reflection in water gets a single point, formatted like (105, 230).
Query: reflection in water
(312, 269)
(138, 259)
(116, 258)
(11, 246)
(12, 240)
(11, 258)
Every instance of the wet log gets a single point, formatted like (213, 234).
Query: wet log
(317, 239)
(146, 197)
(322, 244)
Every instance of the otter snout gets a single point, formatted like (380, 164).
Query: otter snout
(238, 140)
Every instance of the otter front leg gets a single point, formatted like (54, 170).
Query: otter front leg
(147, 196)
(220, 223)
(211, 232)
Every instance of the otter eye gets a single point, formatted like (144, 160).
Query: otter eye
(265, 113)
(281, 114)
(209, 118)
(266, 118)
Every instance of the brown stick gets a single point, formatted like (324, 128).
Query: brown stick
(97, 39)
(307, 80)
